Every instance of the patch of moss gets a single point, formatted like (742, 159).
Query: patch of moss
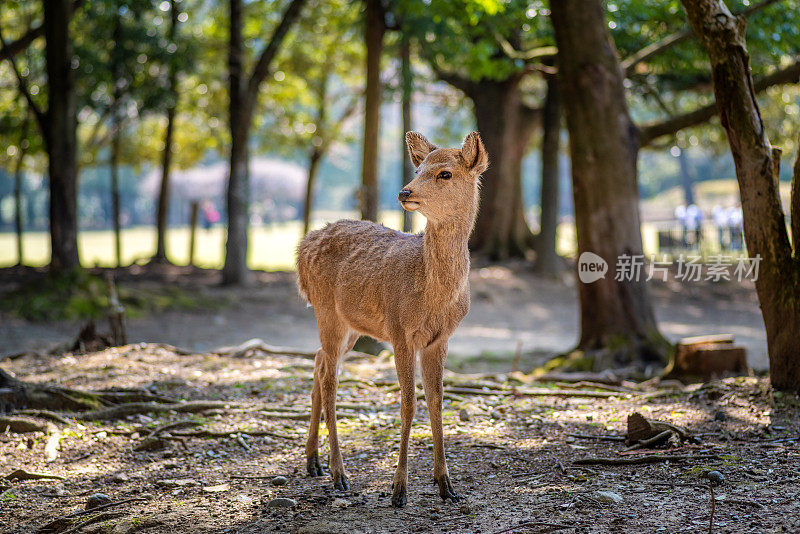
(80, 295)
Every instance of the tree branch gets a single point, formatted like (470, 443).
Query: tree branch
(9, 50)
(540, 52)
(629, 63)
(459, 82)
(649, 132)
(23, 87)
(261, 68)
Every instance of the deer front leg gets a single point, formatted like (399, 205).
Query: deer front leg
(313, 466)
(405, 366)
(432, 364)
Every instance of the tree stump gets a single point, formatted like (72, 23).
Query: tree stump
(708, 357)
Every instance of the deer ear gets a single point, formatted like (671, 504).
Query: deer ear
(474, 153)
(418, 147)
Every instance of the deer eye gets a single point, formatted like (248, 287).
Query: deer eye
(445, 175)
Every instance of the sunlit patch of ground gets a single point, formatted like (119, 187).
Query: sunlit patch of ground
(512, 459)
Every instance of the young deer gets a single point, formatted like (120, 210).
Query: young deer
(410, 290)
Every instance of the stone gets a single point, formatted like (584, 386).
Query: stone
(340, 503)
(608, 497)
(463, 415)
(282, 502)
(279, 481)
(97, 499)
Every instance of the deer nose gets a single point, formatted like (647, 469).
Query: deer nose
(403, 195)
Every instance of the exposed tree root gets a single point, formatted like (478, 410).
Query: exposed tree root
(133, 408)
(21, 474)
(653, 459)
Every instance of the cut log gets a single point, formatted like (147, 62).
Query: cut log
(708, 357)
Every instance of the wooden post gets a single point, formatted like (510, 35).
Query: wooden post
(193, 231)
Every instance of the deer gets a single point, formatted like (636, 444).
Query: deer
(412, 291)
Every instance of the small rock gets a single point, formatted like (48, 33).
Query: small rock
(720, 416)
(282, 502)
(151, 444)
(98, 499)
(435, 516)
(279, 481)
(120, 478)
(465, 509)
(463, 415)
(715, 477)
(608, 497)
(340, 503)
(217, 488)
(496, 415)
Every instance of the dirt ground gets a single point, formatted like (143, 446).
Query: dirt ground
(512, 457)
(510, 307)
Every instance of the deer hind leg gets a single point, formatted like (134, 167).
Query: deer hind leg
(336, 340)
(432, 364)
(405, 365)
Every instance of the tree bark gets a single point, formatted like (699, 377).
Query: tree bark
(314, 159)
(686, 177)
(405, 98)
(617, 321)
(235, 270)
(60, 137)
(18, 204)
(548, 262)
(757, 166)
(500, 229)
(162, 211)
(243, 96)
(115, 203)
(373, 36)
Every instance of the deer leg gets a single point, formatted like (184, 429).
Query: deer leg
(432, 364)
(406, 369)
(313, 466)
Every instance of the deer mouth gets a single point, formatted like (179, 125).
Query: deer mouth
(410, 205)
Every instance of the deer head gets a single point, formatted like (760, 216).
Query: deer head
(447, 181)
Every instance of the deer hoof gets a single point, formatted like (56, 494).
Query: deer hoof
(340, 483)
(399, 498)
(313, 466)
(446, 491)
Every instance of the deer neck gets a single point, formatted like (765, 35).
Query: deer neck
(446, 257)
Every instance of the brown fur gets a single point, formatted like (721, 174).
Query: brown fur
(410, 290)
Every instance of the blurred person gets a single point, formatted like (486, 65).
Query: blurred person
(719, 216)
(680, 216)
(694, 223)
(734, 215)
(210, 214)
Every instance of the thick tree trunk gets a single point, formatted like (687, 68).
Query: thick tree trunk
(757, 171)
(500, 229)
(60, 137)
(686, 177)
(374, 30)
(548, 262)
(235, 270)
(162, 211)
(313, 166)
(18, 175)
(617, 322)
(406, 91)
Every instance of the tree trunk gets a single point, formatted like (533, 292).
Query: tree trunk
(686, 177)
(235, 270)
(500, 229)
(115, 205)
(373, 35)
(60, 137)
(243, 98)
(162, 212)
(617, 322)
(757, 171)
(314, 160)
(406, 91)
(548, 262)
(18, 203)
